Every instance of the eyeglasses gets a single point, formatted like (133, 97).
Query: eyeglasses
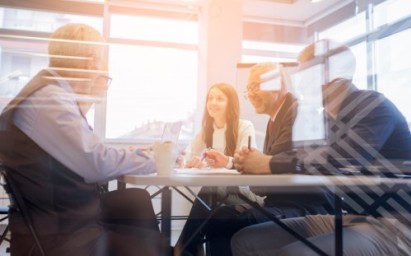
(103, 79)
(252, 87)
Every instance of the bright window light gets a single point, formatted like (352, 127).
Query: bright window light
(346, 30)
(275, 47)
(154, 29)
(390, 11)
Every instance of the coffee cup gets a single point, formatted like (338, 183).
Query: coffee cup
(165, 156)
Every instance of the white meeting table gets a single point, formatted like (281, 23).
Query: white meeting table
(280, 183)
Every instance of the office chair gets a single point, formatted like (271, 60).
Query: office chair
(4, 211)
(17, 204)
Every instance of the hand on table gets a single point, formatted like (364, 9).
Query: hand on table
(215, 159)
(252, 161)
(196, 162)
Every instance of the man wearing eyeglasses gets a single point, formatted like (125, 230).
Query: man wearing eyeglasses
(275, 101)
(57, 161)
(365, 130)
(268, 93)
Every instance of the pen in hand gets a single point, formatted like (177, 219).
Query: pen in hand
(249, 142)
(203, 155)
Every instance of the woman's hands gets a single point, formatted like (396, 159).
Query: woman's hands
(196, 162)
(210, 158)
(216, 159)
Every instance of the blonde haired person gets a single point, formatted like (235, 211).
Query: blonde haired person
(57, 161)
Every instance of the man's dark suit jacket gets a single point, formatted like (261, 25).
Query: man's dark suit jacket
(278, 140)
(367, 129)
(278, 136)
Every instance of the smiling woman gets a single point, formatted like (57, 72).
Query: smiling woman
(222, 129)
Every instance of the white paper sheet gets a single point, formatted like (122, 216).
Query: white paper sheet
(205, 171)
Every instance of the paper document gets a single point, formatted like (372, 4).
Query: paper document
(205, 171)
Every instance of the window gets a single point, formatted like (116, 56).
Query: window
(154, 66)
(361, 74)
(151, 85)
(346, 30)
(23, 53)
(255, 52)
(381, 52)
(154, 29)
(391, 11)
(40, 21)
(393, 70)
(153, 62)
(309, 124)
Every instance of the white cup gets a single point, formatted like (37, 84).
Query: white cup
(165, 156)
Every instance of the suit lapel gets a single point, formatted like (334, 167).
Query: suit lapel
(272, 133)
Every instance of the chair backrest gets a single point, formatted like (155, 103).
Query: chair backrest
(4, 212)
(17, 203)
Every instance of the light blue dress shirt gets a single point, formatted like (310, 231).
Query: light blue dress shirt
(52, 118)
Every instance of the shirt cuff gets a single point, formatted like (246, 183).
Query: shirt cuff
(230, 163)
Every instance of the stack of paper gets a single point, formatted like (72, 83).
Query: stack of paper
(205, 171)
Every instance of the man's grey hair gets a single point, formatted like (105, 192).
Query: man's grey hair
(72, 45)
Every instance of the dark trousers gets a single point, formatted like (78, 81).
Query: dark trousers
(128, 227)
(219, 227)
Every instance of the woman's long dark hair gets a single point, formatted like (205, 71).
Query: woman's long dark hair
(232, 119)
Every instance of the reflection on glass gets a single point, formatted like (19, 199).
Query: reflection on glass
(361, 71)
(21, 58)
(309, 125)
(19, 63)
(393, 70)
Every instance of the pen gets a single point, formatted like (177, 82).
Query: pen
(203, 156)
(249, 142)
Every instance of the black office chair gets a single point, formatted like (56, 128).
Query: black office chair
(17, 204)
(4, 211)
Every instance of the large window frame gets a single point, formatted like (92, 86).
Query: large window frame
(376, 31)
(104, 11)
(359, 25)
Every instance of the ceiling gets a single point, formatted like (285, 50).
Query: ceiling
(293, 12)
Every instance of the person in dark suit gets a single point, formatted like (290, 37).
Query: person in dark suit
(282, 109)
(58, 162)
(365, 128)
(279, 104)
